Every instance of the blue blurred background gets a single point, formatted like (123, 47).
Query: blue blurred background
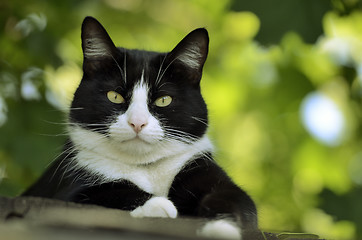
(283, 83)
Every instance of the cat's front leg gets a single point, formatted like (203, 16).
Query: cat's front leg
(231, 212)
(156, 207)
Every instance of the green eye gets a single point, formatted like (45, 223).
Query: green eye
(163, 101)
(115, 97)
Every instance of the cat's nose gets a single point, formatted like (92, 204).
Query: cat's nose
(137, 125)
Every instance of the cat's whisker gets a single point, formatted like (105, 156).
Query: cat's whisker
(164, 71)
(180, 133)
(159, 71)
(68, 152)
(125, 67)
(163, 84)
(99, 137)
(58, 123)
(120, 69)
(174, 132)
(75, 108)
(173, 139)
(201, 120)
(70, 168)
(190, 147)
(55, 135)
(95, 125)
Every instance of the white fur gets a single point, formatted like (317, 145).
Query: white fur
(156, 207)
(103, 158)
(191, 56)
(95, 47)
(145, 158)
(221, 229)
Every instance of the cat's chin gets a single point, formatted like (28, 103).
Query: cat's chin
(135, 146)
(137, 140)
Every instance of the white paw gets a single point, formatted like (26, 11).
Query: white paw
(156, 207)
(225, 229)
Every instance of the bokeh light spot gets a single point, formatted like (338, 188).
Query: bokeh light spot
(323, 119)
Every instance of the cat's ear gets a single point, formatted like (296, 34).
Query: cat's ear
(191, 53)
(96, 43)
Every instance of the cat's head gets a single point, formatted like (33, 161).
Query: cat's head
(139, 103)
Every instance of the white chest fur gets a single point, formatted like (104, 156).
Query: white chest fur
(103, 160)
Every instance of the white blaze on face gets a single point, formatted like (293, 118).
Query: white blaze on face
(137, 114)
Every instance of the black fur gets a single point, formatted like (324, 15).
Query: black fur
(201, 188)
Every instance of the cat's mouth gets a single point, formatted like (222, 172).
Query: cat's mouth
(136, 140)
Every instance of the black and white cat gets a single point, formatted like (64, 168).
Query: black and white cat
(138, 142)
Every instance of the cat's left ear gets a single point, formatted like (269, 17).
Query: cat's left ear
(191, 53)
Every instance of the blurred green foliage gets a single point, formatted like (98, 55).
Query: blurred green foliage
(268, 60)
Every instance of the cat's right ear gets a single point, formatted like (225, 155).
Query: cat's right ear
(96, 43)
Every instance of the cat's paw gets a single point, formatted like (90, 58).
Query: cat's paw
(223, 228)
(156, 207)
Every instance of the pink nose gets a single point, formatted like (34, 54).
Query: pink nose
(137, 125)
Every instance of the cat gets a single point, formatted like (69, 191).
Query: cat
(137, 138)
